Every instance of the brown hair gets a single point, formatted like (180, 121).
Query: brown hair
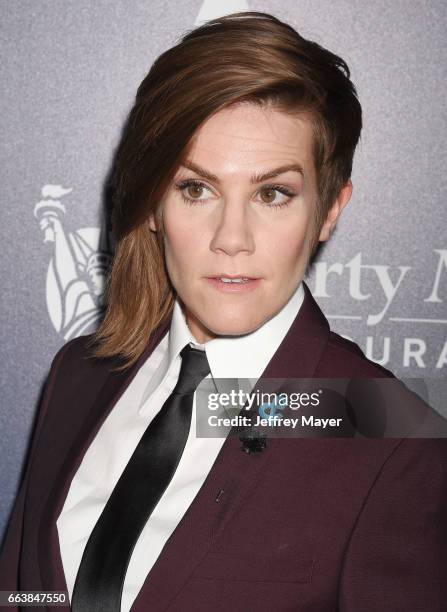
(243, 57)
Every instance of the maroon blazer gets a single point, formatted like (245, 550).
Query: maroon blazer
(354, 525)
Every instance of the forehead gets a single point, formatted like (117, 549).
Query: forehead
(247, 137)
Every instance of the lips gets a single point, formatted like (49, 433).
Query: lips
(233, 276)
(233, 283)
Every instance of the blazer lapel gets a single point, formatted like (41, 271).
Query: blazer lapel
(71, 453)
(234, 472)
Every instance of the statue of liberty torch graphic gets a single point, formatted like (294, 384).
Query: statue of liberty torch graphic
(77, 270)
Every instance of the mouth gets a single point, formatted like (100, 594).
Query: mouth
(234, 283)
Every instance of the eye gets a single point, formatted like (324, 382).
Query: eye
(193, 188)
(271, 191)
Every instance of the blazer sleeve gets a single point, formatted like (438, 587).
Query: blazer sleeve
(10, 554)
(396, 557)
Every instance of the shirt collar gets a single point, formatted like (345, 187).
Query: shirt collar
(238, 356)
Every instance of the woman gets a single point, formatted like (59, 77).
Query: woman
(235, 162)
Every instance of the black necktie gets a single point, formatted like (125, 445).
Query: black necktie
(100, 577)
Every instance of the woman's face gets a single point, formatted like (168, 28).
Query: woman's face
(222, 219)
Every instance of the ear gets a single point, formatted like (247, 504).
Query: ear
(335, 211)
(152, 225)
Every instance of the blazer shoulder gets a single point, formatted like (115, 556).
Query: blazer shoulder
(76, 351)
(74, 366)
(345, 359)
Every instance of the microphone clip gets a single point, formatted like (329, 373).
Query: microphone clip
(253, 441)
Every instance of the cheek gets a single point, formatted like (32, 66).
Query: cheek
(175, 242)
(290, 246)
(174, 228)
(181, 244)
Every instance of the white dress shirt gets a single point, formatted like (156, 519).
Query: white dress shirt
(228, 357)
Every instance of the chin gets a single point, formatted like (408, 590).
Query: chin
(232, 328)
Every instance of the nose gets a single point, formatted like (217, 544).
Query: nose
(233, 233)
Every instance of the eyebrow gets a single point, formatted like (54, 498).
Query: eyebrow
(256, 178)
